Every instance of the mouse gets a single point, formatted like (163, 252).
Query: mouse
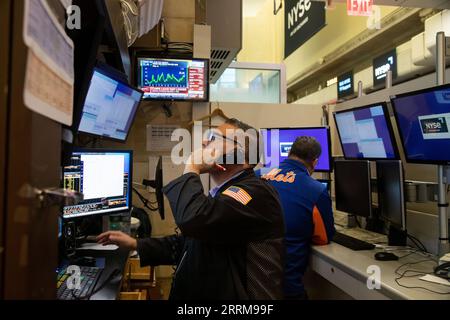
(85, 261)
(385, 256)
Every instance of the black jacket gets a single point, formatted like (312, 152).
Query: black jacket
(229, 249)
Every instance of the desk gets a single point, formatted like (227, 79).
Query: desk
(347, 270)
(116, 259)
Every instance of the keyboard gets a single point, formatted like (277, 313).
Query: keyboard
(352, 243)
(88, 279)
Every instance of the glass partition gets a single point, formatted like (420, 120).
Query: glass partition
(251, 83)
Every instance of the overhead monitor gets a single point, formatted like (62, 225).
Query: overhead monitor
(366, 133)
(174, 79)
(423, 120)
(278, 143)
(391, 197)
(110, 106)
(382, 65)
(103, 177)
(352, 187)
(345, 86)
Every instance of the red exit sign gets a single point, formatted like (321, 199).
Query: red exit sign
(359, 7)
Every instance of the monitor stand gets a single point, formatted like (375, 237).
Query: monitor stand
(351, 221)
(397, 236)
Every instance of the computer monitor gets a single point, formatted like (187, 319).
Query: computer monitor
(278, 143)
(391, 197)
(104, 178)
(423, 120)
(110, 106)
(352, 187)
(366, 133)
(174, 79)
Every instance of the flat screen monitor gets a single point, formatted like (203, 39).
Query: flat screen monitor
(366, 133)
(391, 198)
(174, 79)
(423, 120)
(104, 178)
(278, 143)
(110, 106)
(352, 187)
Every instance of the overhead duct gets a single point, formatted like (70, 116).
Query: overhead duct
(225, 19)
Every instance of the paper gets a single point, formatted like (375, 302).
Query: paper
(159, 137)
(435, 279)
(98, 247)
(49, 75)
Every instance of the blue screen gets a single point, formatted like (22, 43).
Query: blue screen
(365, 134)
(277, 146)
(104, 180)
(109, 108)
(424, 124)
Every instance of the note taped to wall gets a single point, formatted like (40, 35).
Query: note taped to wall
(49, 75)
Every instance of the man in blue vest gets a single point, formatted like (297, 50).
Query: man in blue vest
(307, 209)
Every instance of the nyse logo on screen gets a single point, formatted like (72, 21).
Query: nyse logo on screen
(285, 147)
(435, 126)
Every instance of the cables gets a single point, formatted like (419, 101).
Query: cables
(147, 203)
(417, 243)
(416, 273)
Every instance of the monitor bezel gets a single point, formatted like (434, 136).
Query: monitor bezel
(408, 94)
(174, 57)
(130, 182)
(389, 126)
(330, 156)
(115, 75)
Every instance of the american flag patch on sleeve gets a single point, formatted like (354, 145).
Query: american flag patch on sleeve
(238, 194)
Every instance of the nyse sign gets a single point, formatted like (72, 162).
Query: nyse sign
(383, 64)
(302, 19)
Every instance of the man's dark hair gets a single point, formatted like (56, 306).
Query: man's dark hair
(254, 138)
(306, 148)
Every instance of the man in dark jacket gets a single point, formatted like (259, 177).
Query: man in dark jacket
(231, 245)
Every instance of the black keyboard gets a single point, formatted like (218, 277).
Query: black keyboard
(88, 279)
(352, 243)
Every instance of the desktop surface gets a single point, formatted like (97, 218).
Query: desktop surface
(357, 263)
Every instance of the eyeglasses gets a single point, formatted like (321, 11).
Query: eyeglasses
(213, 135)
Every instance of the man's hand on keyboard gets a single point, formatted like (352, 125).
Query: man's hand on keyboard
(118, 238)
